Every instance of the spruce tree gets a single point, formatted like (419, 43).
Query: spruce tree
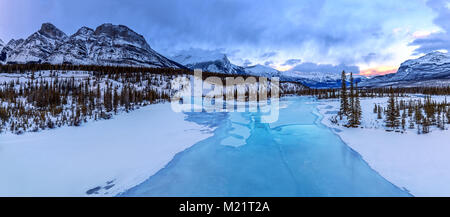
(351, 105)
(379, 112)
(357, 107)
(411, 123)
(391, 112)
(403, 120)
(344, 100)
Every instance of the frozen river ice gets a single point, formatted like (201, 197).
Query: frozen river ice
(295, 156)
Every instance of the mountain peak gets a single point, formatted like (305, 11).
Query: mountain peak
(225, 58)
(122, 32)
(260, 70)
(434, 57)
(435, 54)
(108, 44)
(84, 31)
(50, 30)
(115, 30)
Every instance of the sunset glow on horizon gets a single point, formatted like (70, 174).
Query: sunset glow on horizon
(381, 70)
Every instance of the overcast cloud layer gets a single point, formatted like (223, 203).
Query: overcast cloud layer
(281, 33)
(441, 39)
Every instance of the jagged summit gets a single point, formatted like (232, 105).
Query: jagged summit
(83, 31)
(122, 33)
(108, 44)
(37, 46)
(49, 30)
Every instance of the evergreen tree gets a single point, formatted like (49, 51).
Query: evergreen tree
(344, 100)
(411, 123)
(379, 112)
(403, 123)
(391, 112)
(357, 107)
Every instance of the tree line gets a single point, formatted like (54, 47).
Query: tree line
(414, 114)
(53, 101)
(42, 96)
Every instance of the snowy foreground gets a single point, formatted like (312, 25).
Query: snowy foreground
(101, 158)
(418, 163)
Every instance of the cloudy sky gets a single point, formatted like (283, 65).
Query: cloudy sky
(374, 36)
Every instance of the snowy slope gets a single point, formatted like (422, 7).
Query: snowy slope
(38, 46)
(8, 48)
(103, 158)
(214, 61)
(260, 70)
(434, 67)
(416, 162)
(207, 61)
(75, 50)
(108, 44)
(194, 56)
(318, 79)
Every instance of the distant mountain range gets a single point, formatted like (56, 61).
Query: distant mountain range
(118, 45)
(319, 79)
(432, 69)
(212, 62)
(218, 62)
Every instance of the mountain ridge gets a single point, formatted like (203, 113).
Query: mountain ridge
(434, 66)
(108, 44)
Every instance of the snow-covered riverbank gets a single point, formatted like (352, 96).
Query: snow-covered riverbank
(418, 163)
(100, 158)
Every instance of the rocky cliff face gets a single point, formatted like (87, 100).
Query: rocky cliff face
(108, 44)
(38, 46)
(9, 48)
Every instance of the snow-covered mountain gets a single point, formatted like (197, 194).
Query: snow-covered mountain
(8, 48)
(318, 79)
(38, 46)
(431, 69)
(108, 44)
(260, 70)
(214, 61)
(208, 61)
